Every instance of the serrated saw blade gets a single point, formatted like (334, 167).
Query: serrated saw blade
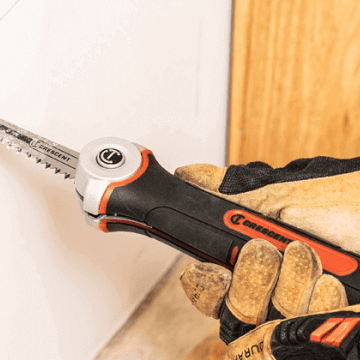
(54, 156)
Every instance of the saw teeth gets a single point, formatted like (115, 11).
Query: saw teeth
(11, 136)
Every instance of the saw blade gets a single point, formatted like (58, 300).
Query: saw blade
(54, 156)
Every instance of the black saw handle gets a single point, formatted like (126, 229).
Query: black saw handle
(207, 227)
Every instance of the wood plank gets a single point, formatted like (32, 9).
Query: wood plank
(295, 80)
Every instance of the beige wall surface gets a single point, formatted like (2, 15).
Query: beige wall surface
(153, 72)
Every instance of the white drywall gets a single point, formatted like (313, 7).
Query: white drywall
(153, 72)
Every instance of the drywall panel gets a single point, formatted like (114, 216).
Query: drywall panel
(153, 72)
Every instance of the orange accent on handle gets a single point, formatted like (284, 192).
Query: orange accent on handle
(256, 227)
(145, 163)
(233, 255)
(103, 227)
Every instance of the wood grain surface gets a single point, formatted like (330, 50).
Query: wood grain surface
(295, 80)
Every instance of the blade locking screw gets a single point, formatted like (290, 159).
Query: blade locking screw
(110, 158)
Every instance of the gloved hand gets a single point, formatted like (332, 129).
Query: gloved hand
(317, 195)
(265, 284)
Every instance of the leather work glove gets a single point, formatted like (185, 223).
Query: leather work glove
(319, 195)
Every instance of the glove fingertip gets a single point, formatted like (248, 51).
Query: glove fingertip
(206, 286)
(328, 295)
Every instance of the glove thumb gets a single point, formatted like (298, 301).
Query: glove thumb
(208, 177)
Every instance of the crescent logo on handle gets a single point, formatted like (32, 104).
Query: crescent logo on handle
(256, 227)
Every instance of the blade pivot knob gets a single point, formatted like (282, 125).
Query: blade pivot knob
(110, 158)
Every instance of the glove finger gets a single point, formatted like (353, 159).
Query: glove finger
(205, 176)
(206, 286)
(246, 304)
(254, 278)
(255, 275)
(328, 295)
(300, 270)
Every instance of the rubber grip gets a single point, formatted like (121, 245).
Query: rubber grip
(211, 228)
